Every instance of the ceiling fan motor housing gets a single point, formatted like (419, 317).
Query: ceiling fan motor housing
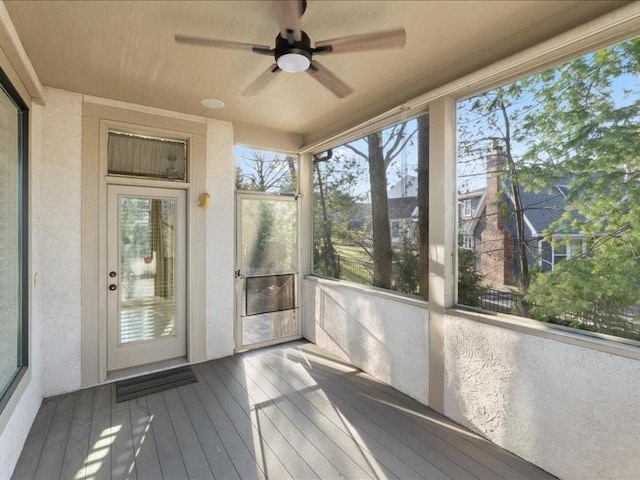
(288, 46)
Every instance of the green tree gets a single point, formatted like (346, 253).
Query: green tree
(496, 119)
(335, 177)
(470, 287)
(382, 148)
(576, 124)
(586, 128)
(591, 292)
(406, 265)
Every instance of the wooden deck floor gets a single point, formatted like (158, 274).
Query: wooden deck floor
(291, 411)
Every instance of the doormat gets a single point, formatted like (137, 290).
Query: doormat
(154, 382)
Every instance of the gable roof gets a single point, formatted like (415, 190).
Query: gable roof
(405, 207)
(542, 209)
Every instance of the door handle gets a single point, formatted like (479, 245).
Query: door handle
(112, 287)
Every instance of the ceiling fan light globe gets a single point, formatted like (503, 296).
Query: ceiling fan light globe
(293, 62)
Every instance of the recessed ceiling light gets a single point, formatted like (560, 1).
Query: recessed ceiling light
(212, 103)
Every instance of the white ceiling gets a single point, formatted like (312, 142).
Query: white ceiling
(125, 50)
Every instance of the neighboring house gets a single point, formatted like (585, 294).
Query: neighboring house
(403, 208)
(487, 225)
(403, 218)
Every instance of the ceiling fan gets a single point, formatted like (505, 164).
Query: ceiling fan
(293, 51)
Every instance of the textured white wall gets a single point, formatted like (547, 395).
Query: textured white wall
(570, 410)
(384, 337)
(220, 239)
(58, 247)
(15, 431)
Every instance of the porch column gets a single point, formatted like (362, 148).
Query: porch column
(442, 237)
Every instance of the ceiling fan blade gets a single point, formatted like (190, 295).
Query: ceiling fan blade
(212, 42)
(329, 80)
(288, 13)
(396, 38)
(259, 83)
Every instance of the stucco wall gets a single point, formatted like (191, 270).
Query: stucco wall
(60, 239)
(384, 337)
(572, 411)
(220, 239)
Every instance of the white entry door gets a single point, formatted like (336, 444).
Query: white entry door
(146, 275)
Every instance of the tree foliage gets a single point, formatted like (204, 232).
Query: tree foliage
(335, 205)
(262, 172)
(576, 124)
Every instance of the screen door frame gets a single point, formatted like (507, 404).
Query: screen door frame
(240, 276)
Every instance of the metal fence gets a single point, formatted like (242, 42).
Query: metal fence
(499, 301)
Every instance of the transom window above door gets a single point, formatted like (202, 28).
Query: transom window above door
(148, 157)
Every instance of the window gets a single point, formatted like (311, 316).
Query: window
(466, 208)
(370, 206)
(266, 171)
(13, 239)
(555, 155)
(148, 157)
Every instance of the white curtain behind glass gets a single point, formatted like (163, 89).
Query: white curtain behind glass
(146, 157)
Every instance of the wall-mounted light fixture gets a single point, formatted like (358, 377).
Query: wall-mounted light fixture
(204, 200)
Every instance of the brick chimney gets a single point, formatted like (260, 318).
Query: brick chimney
(496, 242)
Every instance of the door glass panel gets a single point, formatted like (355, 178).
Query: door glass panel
(147, 244)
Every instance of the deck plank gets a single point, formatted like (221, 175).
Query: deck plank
(339, 447)
(30, 455)
(368, 450)
(73, 464)
(247, 462)
(98, 462)
(270, 453)
(441, 454)
(212, 446)
(144, 443)
(472, 444)
(194, 458)
(50, 463)
(171, 462)
(291, 458)
(445, 436)
(421, 461)
(123, 465)
(318, 450)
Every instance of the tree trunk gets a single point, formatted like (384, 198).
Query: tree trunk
(423, 205)
(525, 274)
(328, 253)
(382, 253)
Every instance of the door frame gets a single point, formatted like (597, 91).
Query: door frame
(114, 192)
(97, 120)
(237, 322)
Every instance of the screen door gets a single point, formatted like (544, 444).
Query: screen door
(267, 270)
